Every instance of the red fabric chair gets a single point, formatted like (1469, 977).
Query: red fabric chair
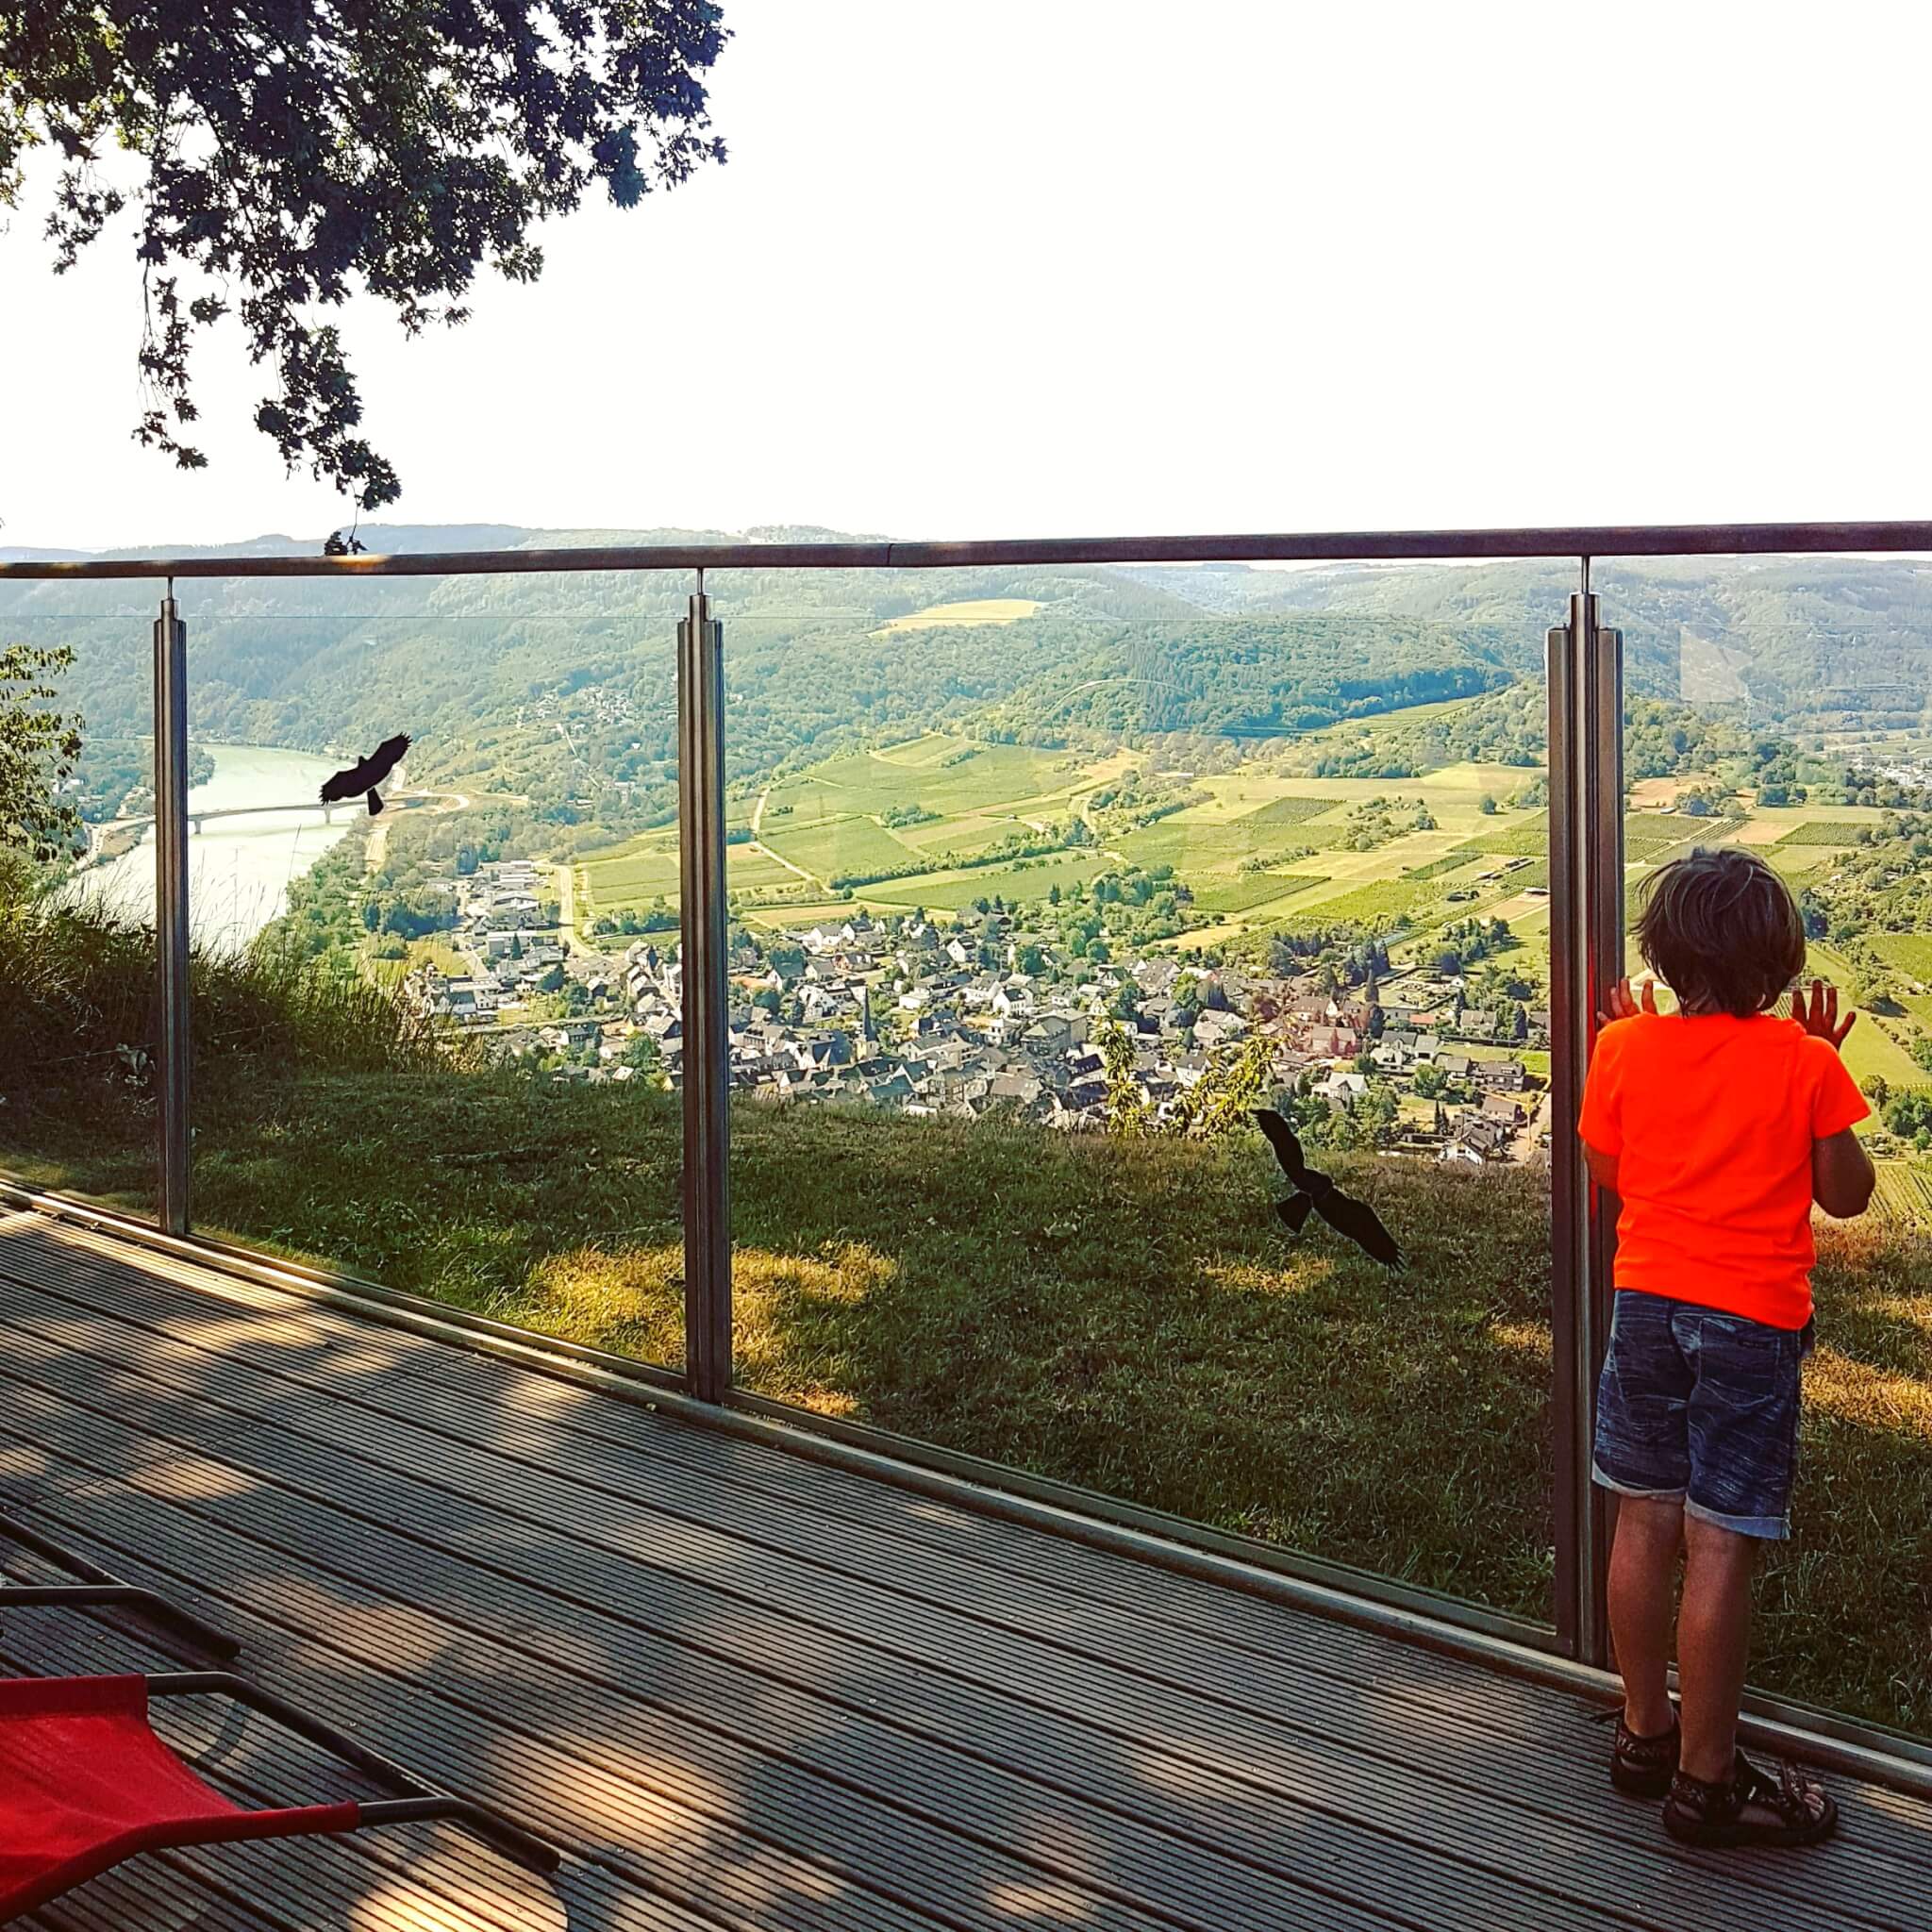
(85, 1783)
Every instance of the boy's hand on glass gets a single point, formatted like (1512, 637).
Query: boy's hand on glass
(1624, 1005)
(1818, 1017)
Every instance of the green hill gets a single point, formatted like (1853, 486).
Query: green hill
(1804, 643)
(558, 693)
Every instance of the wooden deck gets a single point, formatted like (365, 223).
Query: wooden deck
(748, 1691)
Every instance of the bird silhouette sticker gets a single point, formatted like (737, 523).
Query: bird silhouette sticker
(1317, 1191)
(367, 774)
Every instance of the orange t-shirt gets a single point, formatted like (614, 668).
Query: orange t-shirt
(1712, 1120)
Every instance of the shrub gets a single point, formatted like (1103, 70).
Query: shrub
(78, 1006)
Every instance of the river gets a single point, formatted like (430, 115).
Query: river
(239, 869)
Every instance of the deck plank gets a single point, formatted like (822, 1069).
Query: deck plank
(382, 1631)
(1509, 1762)
(748, 1690)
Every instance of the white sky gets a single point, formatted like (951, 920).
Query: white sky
(1071, 267)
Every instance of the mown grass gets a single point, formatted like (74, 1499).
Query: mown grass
(1870, 1048)
(1440, 868)
(1823, 832)
(1910, 952)
(971, 610)
(1870, 1052)
(986, 774)
(1288, 811)
(965, 836)
(1531, 837)
(1794, 862)
(647, 865)
(1125, 1315)
(831, 846)
(1246, 891)
(1197, 848)
(645, 871)
(1016, 884)
(1381, 902)
(750, 871)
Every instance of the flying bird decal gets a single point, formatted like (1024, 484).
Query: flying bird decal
(1313, 1190)
(367, 774)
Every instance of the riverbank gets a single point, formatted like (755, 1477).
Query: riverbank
(241, 868)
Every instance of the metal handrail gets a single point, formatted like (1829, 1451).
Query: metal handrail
(1570, 541)
(1586, 781)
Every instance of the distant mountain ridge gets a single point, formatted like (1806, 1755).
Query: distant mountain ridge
(380, 538)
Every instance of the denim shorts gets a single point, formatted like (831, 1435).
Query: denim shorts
(1701, 1406)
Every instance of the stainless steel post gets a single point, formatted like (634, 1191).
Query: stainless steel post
(1568, 1183)
(1602, 672)
(173, 1029)
(707, 1069)
(1586, 952)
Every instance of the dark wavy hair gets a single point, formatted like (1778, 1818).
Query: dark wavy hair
(1723, 930)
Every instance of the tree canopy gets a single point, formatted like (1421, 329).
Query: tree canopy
(38, 750)
(279, 158)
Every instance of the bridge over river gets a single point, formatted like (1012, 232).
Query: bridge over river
(199, 816)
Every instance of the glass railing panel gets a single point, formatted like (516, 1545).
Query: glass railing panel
(1044, 881)
(79, 1088)
(436, 1046)
(1779, 705)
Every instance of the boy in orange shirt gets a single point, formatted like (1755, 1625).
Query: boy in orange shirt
(1717, 1127)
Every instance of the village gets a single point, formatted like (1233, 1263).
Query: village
(925, 1019)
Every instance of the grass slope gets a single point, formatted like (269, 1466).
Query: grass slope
(1868, 1048)
(1123, 1315)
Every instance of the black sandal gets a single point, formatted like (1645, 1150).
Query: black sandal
(1699, 1813)
(1642, 1767)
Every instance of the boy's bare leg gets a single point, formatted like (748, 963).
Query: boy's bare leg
(1714, 1645)
(1643, 1584)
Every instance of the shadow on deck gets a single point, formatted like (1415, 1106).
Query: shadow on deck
(750, 1691)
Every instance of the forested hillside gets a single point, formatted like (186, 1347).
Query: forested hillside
(556, 693)
(1805, 643)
